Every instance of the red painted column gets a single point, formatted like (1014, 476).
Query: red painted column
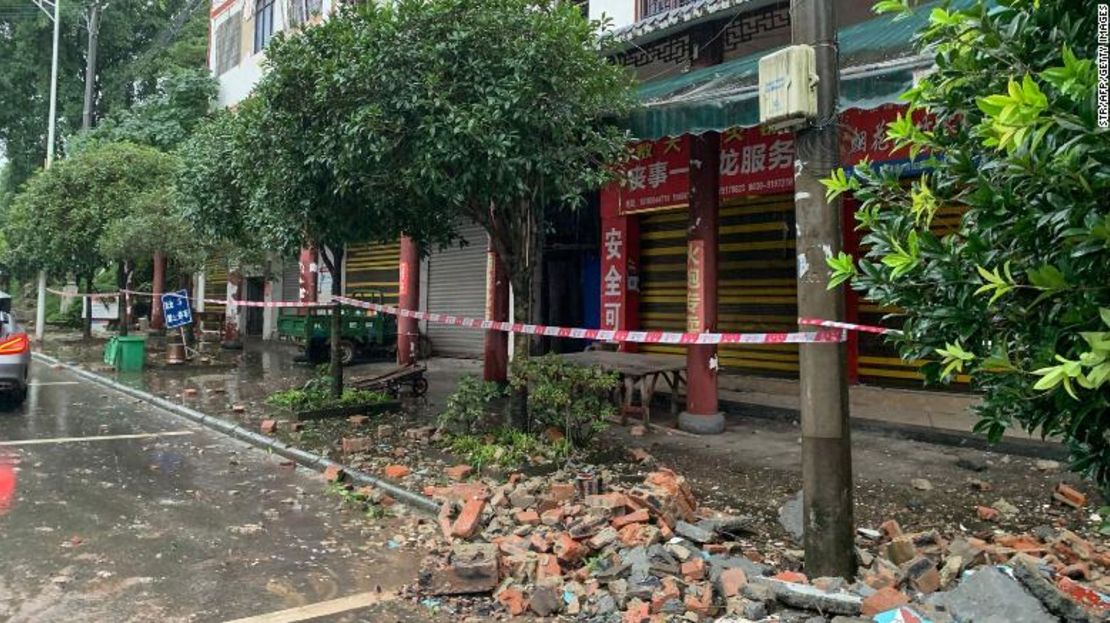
(702, 414)
(307, 278)
(408, 297)
(495, 362)
(157, 322)
(620, 257)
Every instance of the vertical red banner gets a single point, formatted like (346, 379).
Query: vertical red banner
(695, 286)
(620, 280)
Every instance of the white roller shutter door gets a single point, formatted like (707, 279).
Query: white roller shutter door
(457, 285)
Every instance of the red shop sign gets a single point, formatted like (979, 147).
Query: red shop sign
(754, 162)
(657, 177)
(863, 134)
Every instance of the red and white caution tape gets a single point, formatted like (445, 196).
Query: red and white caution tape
(91, 295)
(236, 302)
(833, 324)
(606, 335)
(262, 303)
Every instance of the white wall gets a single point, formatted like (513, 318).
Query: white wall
(237, 83)
(622, 12)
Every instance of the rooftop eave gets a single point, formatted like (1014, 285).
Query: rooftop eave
(669, 22)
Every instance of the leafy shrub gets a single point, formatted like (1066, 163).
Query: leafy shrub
(1016, 293)
(575, 399)
(470, 404)
(70, 317)
(318, 396)
(507, 448)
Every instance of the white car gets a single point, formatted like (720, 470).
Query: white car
(15, 355)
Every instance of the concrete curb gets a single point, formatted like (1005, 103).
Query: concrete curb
(301, 457)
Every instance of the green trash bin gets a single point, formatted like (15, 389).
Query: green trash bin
(111, 351)
(131, 353)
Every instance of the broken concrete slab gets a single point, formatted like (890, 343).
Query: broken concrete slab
(810, 598)
(791, 517)
(991, 596)
(473, 568)
(1028, 572)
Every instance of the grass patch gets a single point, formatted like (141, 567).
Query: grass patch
(507, 448)
(370, 508)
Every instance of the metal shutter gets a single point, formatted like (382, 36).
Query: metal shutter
(373, 267)
(663, 275)
(291, 280)
(879, 361)
(457, 285)
(215, 283)
(757, 281)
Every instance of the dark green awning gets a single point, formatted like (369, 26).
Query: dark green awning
(877, 63)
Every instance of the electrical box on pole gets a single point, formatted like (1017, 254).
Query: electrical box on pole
(788, 87)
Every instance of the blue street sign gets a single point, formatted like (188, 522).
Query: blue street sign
(176, 310)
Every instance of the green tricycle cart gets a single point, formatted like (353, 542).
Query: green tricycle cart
(363, 332)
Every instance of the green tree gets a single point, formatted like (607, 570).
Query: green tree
(414, 116)
(138, 43)
(164, 118)
(59, 218)
(491, 111)
(1017, 295)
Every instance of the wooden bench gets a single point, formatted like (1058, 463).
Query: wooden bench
(637, 371)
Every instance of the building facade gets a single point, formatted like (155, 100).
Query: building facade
(662, 267)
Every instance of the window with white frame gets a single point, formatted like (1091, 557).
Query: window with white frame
(226, 52)
(263, 24)
(300, 11)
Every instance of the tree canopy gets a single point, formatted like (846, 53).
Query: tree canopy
(57, 222)
(164, 118)
(138, 43)
(414, 116)
(1017, 295)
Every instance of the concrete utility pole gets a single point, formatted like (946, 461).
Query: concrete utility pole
(826, 440)
(90, 67)
(40, 306)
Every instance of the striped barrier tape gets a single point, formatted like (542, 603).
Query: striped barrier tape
(606, 335)
(236, 302)
(91, 295)
(848, 326)
(835, 333)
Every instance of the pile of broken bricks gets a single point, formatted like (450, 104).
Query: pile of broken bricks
(549, 547)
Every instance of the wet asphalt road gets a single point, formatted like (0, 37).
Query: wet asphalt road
(193, 527)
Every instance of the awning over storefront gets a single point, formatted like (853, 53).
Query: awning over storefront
(877, 60)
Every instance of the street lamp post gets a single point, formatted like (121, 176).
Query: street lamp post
(40, 308)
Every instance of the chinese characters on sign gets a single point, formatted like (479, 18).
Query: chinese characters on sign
(755, 163)
(695, 285)
(175, 309)
(863, 134)
(612, 281)
(657, 177)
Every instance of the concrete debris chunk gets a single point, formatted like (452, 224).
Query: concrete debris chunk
(991, 596)
(811, 598)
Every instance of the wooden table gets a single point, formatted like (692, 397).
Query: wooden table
(637, 369)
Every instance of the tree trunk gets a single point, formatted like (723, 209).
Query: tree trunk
(336, 362)
(157, 320)
(522, 347)
(335, 265)
(121, 284)
(87, 302)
